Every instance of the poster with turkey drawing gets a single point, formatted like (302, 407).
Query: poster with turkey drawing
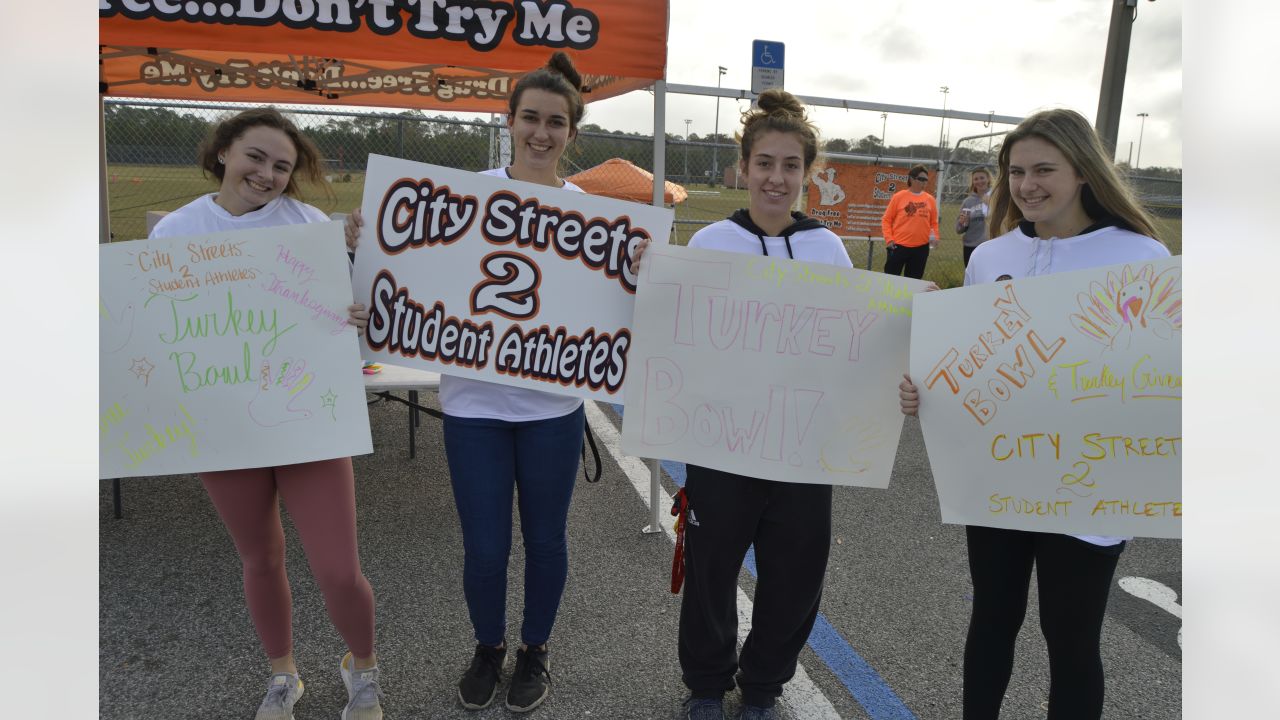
(1055, 403)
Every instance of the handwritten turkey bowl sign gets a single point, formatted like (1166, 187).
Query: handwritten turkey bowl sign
(1055, 403)
(227, 351)
(499, 280)
(771, 368)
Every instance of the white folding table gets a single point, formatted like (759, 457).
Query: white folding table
(413, 380)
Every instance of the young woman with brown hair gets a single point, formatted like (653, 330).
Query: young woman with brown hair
(257, 157)
(788, 523)
(505, 442)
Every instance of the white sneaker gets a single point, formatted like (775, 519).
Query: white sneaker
(363, 693)
(283, 691)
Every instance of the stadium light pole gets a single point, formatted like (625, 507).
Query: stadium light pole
(942, 149)
(686, 149)
(1141, 128)
(1114, 67)
(884, 123)
(715, 149)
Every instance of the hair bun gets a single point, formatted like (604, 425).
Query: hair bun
(777, 100)
(561, 63)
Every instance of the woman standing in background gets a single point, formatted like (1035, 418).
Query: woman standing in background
(910, 226)
(971, 223)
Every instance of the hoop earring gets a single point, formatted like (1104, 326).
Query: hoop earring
(222, 160)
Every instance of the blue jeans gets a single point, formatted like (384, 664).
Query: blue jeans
(488, 461)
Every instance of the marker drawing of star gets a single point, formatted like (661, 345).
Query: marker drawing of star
(141, 368)
(329, 400)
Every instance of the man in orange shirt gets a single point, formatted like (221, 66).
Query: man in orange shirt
(910, 225)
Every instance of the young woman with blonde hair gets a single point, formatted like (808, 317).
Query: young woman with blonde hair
(971, 223)
(1059, 206)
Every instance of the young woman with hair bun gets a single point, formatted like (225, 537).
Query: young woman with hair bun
(505, 442)
(1059, 206)
(788, 523)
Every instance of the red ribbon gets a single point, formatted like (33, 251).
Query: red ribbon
(680, 510)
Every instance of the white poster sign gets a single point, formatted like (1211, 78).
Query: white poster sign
(1055, 403)
(499, 280)
(771, 368)
(227, 351)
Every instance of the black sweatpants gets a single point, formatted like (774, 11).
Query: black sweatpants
(1074, 579)
(912, 259)
(790, 525)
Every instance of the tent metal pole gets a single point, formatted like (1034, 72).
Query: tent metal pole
(659, 195)
(104, 207)
(659, 141)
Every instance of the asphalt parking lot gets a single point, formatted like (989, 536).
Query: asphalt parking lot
(176, 640)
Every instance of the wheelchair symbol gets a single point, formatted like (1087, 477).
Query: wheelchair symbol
(766, 58)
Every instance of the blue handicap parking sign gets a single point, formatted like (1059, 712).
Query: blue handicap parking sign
(766, 54)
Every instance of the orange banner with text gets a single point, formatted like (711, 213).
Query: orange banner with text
(850, 198)
(447, 54)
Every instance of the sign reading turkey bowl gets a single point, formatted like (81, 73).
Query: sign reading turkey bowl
(1055, 403)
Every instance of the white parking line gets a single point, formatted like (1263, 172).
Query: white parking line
(800, 699)
(1158, 594)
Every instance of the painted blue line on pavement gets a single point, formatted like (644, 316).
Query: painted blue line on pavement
(863, 682)
(856, 674)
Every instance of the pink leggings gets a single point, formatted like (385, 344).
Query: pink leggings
(321, 500)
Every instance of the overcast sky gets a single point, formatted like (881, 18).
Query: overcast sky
(1009, 56)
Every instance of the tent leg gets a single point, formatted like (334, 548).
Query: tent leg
(655, 492)
(659, 142)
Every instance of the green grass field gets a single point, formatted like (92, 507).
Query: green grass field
(135, 189)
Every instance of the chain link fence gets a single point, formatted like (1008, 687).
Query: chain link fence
(151, 152)
(151, 155)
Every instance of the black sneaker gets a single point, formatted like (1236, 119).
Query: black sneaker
(479, 684)
(531, 680)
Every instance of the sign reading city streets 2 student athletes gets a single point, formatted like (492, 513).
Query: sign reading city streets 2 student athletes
(1055, 403)
(497, 279)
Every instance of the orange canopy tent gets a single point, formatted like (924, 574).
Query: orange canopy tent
(429, 54)
(462, 55)
(618, 178)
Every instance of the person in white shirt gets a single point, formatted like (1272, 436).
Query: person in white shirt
(1059, 206)
(257, 157)
(503, 440)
